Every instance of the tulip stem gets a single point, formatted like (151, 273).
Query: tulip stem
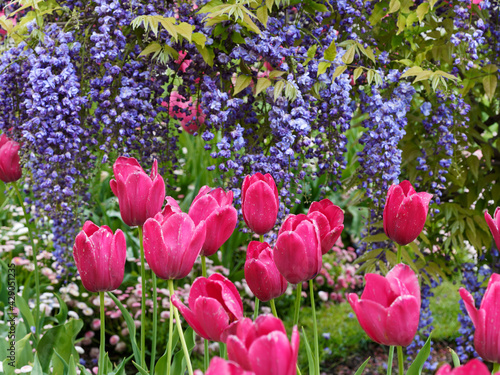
(496, 368)
(256, 309)
(315, 325)
(155, 323)
(179, 329)
(273, 308)
(401, 360)
(35, 260)
(297, 304)
(222, 350)
(143, 302)
(103, 334)
(170, 333)
(399, 254)
(206, 354)
(390, 360)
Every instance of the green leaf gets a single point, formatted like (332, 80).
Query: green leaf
(24, 352)
(369, 76)
(490, 85)
(368, 255)
(242, 83)
(316, 6)
(207, 54)
(310, 358)
(269, 4)
(199, 39)
(37, 368)
(140, 369)
(323, 66)
(130, 325)
(357, 72)
(278, 88)
(262, 15)
(120, 369)
(454, 356)
(249, 24)
(394, 6)
(376, 238)
(63, 310)
(361, 368)
(349, 55)
(490, 68)
(25, 312)
(417, 365)
(276, 73)
(379, 11)
(311, 52)
(422, 11)
(413, 71)
(169, 26)
(179, 363)
(71, 366)
(401, 23)
(330, 52)
(340, 69)
(185, 29)
(152, 47)
(262, 84)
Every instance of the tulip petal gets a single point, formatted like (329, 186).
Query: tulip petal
(202, 207)
(403, 281)
(219, 366)
(237, 352)
(378, 289)
(155, 250)
(410, 220)
(156, 197)
(473, 367)
(211, 315)
(395, 197)
(290, 256)
(271, 354)
(193, 250)
(259, 208)
(372, 317)
(267, 323)
(189, 316)
(124, 166)
(402, 321)
(490, 310)
(494, 225)
(220, 226)
(444, 370)
(407, 188)
(330, 239)
(84, 254)
(470, 306)
(295, 341)
(117, 259)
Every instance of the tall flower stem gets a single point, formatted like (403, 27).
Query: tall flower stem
(35, 261)
(155, 323)
(222, 350)
(273, 308)
(179, 328)
(496, 368)
(315, 326)
(401, 362)
(103, 334)
(399, 254)
(390, 359)
(256, 308)
(170, 333)
(206, 354)
(143, 301)
(297, 304)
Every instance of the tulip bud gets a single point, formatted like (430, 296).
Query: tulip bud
(214, 303)
(140, 196)
(10, 168)
(330, 219)
(473, 367)
(219, 366)
(263, 346)
(389, 308)
(494, 224)
(486, 320)
(260, 202)
(172, 244)
(405, 213)
(297, 253)
(215, 207)
(261, 274)
(100, 257)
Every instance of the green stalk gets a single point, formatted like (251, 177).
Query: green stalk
(273, 308)
(35, 261)
(155, 323)
(297, 304)
(389, 360)
(179, 329)
(103, 335)
(315, 325)
(496, 368)
(399, 256)
(170, 333)
(401, 362)
(222, 350)
(143, 302)
(206, 354)
(256, 309)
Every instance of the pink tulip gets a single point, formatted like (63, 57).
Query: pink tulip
(10, 168)
(186, 118)
(330, 219)
(214, 303)
(297, 253)
(262, 346)
(216, 208)
(486, 320)
(184, 63)
(172, 244)
(473, 367)
(170, 208)
(405, 213)
(261, 274)
(100, 257)
(389, 308)
(260, 202)
(140, 196)
(494, 224)
(219, 366)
